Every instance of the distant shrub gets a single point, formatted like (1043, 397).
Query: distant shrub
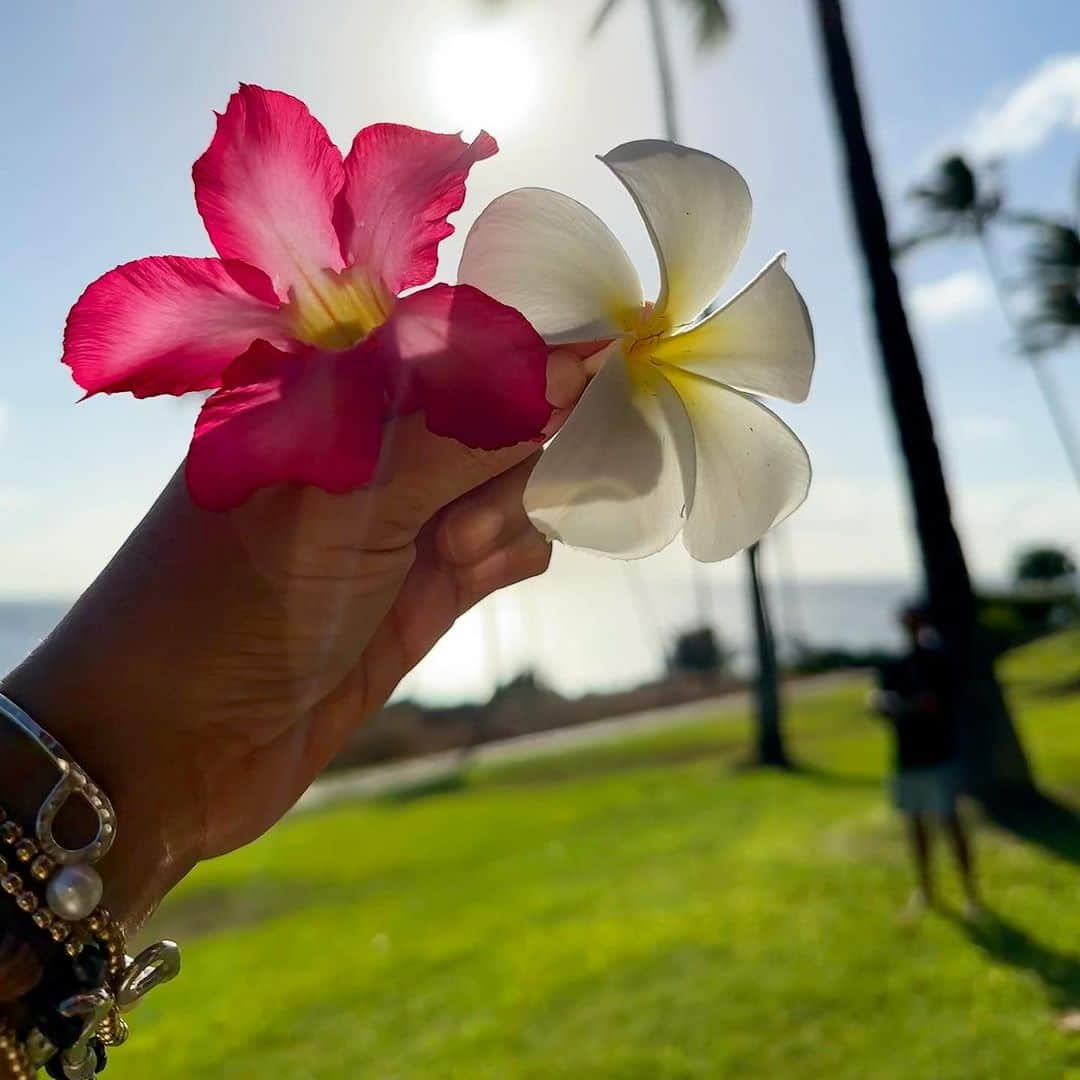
(701, 650)
(1045, 565)
(1012, 619)
(812, 661)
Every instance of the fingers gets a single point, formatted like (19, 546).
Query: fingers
(526, 555)
(566, 380)
(291, 531)
(425, 472)
(487, 538)
(486, 518)
(592, 354)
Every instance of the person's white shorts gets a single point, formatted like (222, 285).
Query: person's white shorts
(930, 790)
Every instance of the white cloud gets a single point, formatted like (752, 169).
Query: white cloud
(5, 415)
(1026, 115)
(956, 296)
(854, 529)
(998, 520)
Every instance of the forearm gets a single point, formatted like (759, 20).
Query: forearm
(153, 848)
(96, 684)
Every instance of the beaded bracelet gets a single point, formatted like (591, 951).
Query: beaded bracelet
(12, 1055)
(90, 978)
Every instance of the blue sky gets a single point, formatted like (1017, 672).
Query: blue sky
(109, 105)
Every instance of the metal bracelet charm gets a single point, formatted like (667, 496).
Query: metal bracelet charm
(153, 967)
(70, 781)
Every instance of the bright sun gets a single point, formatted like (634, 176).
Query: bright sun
(483, 79)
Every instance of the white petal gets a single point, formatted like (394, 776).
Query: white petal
(760, 341)
(751, 469)
(619, 478)
(556, 262)
(697, 210)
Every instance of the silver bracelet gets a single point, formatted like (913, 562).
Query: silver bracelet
(72, 893)
(76, 890)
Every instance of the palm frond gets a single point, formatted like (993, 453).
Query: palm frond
(927, 235)
(1056, 315)
(601, 16)
(713, 20)
(951, 189)
(1029, 218)
(1056, 252)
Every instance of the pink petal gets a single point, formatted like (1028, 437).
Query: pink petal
(167, 325)
(266, 185)
(400, 185)
(475, 366)
(301, 418)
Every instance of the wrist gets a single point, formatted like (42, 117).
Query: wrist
(151, 850)
(51, 859)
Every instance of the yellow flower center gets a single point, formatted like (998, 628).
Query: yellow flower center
(336, 311)
(649, 326)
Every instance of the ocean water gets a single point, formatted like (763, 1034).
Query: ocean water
(598, 636)
(23, 624)
(612, 631)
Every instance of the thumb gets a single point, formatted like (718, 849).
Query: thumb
(425, 472)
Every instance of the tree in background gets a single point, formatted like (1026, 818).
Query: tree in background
(713, 24)
(1044, 566)
(1054, 265)
(995, 760)
(770, 747)
(996, 763)
(701, 652)
(1054, 277)
(957, 202)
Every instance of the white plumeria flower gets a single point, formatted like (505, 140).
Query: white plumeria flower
(666, 436)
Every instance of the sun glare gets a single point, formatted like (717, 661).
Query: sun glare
(483, 79)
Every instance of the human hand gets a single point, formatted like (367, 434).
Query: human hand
(222, 659)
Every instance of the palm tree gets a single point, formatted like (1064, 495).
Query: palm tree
(957, 202)
(995, 759)
(1054, 264)
(770, 736)
(712, 26)
(1057, 315)
(1055, 257)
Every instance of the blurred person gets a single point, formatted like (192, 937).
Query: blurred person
(915, 696)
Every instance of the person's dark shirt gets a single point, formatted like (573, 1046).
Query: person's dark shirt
(924, 724)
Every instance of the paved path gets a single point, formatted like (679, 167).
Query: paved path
(383, 779)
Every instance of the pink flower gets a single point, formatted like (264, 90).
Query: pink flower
(300, 327)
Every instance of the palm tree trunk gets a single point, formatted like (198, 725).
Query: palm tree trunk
(662, 59)
(770, 737)
(768, 690)
(1037, 361)
(992, 753)
(1056, 408)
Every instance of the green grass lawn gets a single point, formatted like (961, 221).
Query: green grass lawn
(647, 909)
